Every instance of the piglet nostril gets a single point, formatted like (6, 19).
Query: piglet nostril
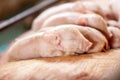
(56, 40)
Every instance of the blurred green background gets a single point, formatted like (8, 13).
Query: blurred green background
(9, 34)
(8, 9)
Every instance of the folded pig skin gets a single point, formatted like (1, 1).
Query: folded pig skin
(57, 41)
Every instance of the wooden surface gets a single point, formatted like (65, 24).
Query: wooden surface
(96, 66)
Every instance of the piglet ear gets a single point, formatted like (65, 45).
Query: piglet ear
(85, 45)
(52, 38)
(89, 46)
